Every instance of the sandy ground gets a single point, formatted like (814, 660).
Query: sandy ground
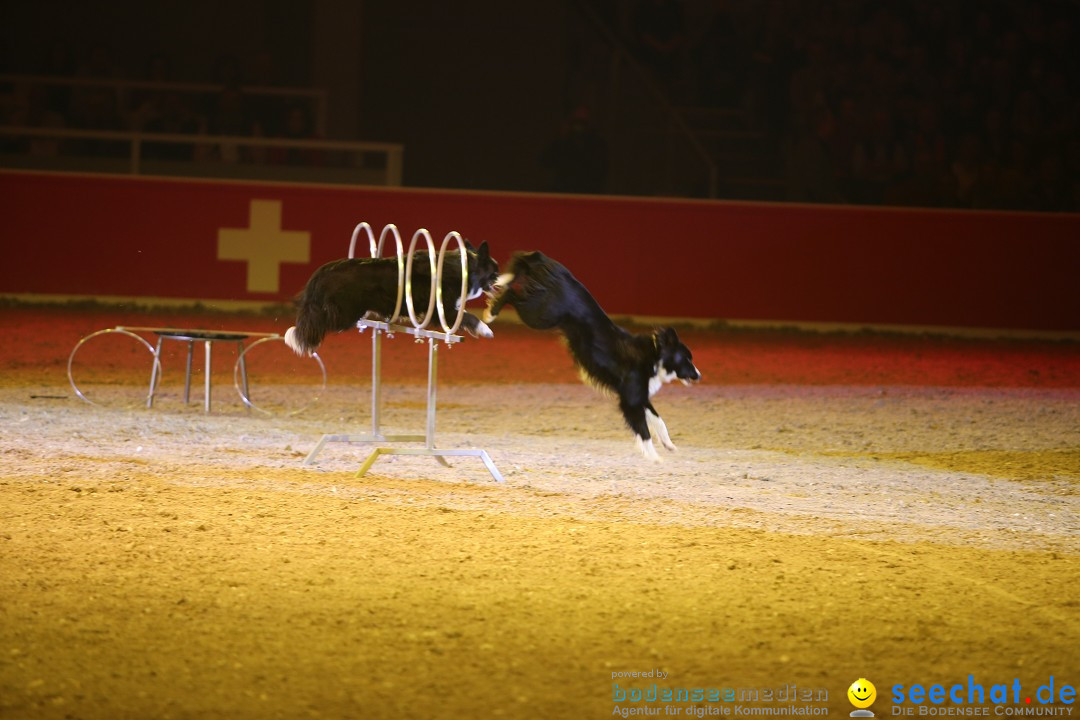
(904, 510)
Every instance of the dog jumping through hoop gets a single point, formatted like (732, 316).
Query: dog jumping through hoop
(341, 292)
(632, 367)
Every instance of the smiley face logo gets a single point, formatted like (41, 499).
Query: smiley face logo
(862, 693)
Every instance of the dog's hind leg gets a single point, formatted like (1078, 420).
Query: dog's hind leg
(658, 428)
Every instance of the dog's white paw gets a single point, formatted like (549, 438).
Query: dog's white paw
(482, 330)
(648, 450)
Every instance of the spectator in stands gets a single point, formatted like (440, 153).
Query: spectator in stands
(148, 105)
(268, 112)
(89, 106)
(717, 61)
(1051, 192)
(811, 176)
(99, 110)
(227, 72)
(58, 63)
(174, 118)
(1072, 174)
(660, 36)
(578, 158)
(31, 110)
(879, 160)
(966, 185)
(231, 117)
(297, 126)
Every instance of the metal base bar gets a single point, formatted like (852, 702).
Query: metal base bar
(365, 438)
(438, 453)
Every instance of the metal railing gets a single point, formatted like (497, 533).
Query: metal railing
(136, 160)
(313, 95)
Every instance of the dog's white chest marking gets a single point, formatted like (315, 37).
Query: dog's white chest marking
(657, 381)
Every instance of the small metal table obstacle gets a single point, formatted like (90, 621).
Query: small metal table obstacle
(208, 338)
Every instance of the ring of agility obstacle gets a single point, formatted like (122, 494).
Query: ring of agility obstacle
(208, 338)
(418, 328)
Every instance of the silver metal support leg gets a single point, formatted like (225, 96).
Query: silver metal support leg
(206, 405)
(432, 376)
(432, 385)
(376, 434)
(310, 459)
(376, 380)
(243, 374)
(154, 374)
(428, 437)
(187, 374)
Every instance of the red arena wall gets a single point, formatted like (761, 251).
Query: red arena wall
(81, 235)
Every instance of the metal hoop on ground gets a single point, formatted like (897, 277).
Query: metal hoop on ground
(464, 282)
(155, 370)
(420, 325)
(244, 396)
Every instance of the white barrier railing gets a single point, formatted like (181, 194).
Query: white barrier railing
(393, 153)
(313, 95)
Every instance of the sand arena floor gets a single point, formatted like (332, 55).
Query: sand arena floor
(896, 508)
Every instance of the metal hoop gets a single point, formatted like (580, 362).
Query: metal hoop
(155, 369)
(408, 279)
(247, 400)
(464, 282)
(377, 253)
(355, 233)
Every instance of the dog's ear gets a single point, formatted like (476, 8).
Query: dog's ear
(483, 253)
(667, 337)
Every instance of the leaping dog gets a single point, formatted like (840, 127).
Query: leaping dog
(632, 367)
(341, 292)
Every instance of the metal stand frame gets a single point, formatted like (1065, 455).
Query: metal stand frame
(419, 331)
(208, 338)
(208, 343)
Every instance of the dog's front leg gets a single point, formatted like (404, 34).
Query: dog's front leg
(658, 427)
(636, 419)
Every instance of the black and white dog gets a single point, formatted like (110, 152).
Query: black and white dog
(341, 292)
(632, 367)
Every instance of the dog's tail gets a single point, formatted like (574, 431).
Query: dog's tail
(311, 327)
(292, 339)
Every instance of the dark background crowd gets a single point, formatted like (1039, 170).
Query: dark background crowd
(963, 104)
(225, 107)
(967, 103)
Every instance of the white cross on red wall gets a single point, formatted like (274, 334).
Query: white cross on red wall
(263, 245)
